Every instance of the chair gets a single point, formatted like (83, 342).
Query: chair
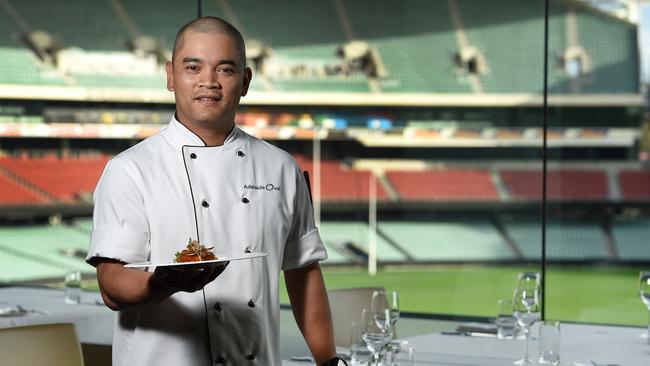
(346, 306)
(46, 344)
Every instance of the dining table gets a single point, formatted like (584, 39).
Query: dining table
(580, 345)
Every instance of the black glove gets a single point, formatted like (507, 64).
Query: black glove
(336, 361)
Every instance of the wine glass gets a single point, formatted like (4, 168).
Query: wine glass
(376, 331)
(527, 277)
(644, 292)
(525, 306)
(382, 300)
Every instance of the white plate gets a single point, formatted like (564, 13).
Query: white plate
(214, 262)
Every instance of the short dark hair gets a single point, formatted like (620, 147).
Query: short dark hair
(211, 24)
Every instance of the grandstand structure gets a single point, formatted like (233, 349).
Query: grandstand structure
(430, 112)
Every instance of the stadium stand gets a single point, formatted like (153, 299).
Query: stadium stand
(39, 252)
(514, 65)
(322, 85)
(91, 25)
(276, 23)
(448, 241)
(65, 178)
(338, 234)
(565, 240)
(416, 43)
(631, 240)
(634, 184)
(130, 81)
(14, 193)
(562, 184)
(342, 185)
(24, 68)
(612, 45)
(169, 15)
(444, 184)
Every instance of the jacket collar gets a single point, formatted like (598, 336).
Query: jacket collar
(179, 135)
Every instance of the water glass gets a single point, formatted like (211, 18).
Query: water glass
(399, 354)
(376, 332)
(505, 321)
(644, 292)
(359, 354)
(72, 291)
(549, 342)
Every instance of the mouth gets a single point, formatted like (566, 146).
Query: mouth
(208, 99)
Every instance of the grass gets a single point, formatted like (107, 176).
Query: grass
(593, 295)
(606, 295)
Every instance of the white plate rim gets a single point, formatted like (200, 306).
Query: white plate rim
(221, 259)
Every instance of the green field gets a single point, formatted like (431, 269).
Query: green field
(605, 295)
(594, 295)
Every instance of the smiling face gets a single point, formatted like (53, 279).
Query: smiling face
(208, 77)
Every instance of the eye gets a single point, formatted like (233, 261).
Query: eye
(227, 71)
(192, 68)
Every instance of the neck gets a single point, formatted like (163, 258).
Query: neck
(210, 135)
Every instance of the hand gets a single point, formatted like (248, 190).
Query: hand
(186, 279)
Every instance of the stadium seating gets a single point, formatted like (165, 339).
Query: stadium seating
(634, 184)
(444, 184)
(511, 40)
(98, 81)
(64, 178)
(91, 25)
(416, 42)
(561, 184)
(448, 241)
(285, 23)
(612, 46)
(37, 252)
(631, 240)
(24, 68)
(12, 193)
(322, 85)
(356, 233)
(565, 240)
(342, 185)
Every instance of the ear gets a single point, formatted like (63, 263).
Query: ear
(248, 76)
(169, 68)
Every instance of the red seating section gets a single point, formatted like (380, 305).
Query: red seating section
(634, 184)
(12, 193)
(441, 185)
(65, 178)
(561, 184)
(339, 184)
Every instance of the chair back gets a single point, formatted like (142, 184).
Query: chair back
(346, 306)
(46, 344)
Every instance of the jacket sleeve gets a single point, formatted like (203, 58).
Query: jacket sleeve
(304, 245)
(120, 226)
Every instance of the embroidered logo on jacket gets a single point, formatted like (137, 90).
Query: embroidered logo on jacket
(267, 187)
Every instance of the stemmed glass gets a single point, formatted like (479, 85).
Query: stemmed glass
(525, 306)
(376, 332)
(644, 292)
(382, 300)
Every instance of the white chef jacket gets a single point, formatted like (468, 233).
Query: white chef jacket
(245, 195)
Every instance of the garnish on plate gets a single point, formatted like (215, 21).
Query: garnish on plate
(194, 252)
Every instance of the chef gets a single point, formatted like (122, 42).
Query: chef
(203, 178)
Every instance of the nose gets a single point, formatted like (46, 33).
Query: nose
(209, 80)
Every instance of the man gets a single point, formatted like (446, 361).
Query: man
(203, 178)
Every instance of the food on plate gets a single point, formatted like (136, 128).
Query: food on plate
(194, 252)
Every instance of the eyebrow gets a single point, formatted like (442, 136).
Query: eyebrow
(221, 62)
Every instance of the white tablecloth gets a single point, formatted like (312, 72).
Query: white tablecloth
(93, 320)
(580, 345)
